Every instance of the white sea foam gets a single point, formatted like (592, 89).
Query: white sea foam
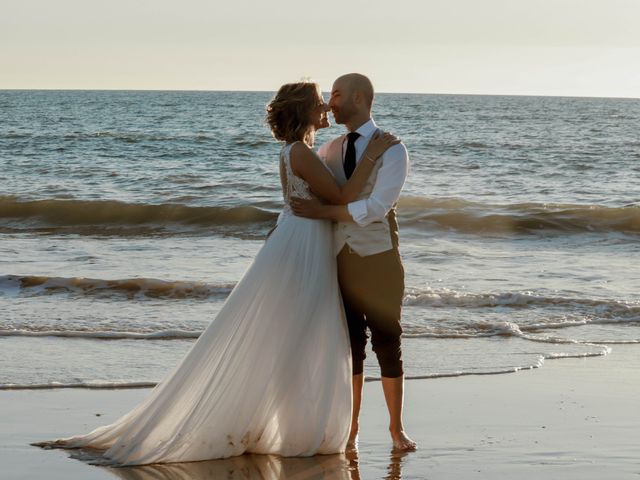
(595, 310)
(480, 329)
(451, 298)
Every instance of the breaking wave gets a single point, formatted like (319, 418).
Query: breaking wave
(94, 217)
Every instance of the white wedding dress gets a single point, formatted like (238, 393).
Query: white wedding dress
(271, 374)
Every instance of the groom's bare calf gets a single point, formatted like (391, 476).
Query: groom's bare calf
(394, 393)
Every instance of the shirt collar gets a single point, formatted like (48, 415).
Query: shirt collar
(367, 129)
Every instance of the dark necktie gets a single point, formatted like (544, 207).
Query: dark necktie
(350, 155)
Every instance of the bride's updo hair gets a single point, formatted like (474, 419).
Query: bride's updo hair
(289, 113)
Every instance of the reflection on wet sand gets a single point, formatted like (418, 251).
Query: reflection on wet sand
(261, 467)
(394, 470)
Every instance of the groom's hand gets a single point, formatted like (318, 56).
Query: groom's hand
(307, 208)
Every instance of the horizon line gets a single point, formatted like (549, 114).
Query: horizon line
(273, 91)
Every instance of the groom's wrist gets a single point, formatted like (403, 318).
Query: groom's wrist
(338, 213)
(324, 212)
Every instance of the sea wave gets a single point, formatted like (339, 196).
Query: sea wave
(147, 287)
(592, 310)
(89, 217)
(472, 330)
(440, 331)
(522, 218)
(506, 329)
(446, 298)
(103, 334)
(94, 217)
(87, 384)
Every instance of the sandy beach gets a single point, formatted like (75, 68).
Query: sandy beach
(572, 418)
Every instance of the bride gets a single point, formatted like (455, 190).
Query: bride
(271, 373)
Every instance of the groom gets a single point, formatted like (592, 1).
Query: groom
(370, 270)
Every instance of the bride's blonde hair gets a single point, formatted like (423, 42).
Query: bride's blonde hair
(289, 113)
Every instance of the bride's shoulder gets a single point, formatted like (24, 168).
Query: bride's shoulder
(299, 146)
(300, 150)
(302, 157)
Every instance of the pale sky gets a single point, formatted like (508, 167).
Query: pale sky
(534, 47)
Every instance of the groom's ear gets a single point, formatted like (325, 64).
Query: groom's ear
(360, 99)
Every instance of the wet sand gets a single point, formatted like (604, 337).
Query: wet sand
(570, 419)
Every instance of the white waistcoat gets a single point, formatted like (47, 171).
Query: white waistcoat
(375, 237)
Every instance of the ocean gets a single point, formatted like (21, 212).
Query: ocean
(127, 217)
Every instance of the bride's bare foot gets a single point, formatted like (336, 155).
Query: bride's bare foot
(402, 443)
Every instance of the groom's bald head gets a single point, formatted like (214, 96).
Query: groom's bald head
(351, 100)
(357, 84)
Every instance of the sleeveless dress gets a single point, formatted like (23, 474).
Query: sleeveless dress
(271, 374)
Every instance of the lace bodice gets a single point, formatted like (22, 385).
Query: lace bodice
(296, 186)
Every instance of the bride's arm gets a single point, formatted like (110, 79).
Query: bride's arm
(307, 165)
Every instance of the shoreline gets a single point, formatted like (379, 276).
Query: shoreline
(572, 419)
(368, 379)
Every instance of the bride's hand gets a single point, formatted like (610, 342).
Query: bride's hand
(379, 144)
(306, 208)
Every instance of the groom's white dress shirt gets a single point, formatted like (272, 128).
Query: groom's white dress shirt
(389, 181)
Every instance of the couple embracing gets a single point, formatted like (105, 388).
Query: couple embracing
(280, 368)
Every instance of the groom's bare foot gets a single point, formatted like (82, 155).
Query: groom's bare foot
(402, 443)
